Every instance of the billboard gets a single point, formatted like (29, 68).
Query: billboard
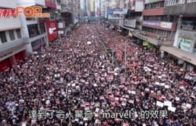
(52, 30)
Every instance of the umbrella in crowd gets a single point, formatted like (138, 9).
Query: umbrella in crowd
(79, 82)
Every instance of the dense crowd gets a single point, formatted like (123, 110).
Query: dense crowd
(76, 81)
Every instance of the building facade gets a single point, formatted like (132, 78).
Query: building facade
(168, 25)
(13, 44)
(132, 21)
(158, 27)
(184, 45)
(33, 29)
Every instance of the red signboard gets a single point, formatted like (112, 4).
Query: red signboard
(52, 30)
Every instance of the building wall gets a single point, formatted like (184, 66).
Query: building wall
(8, 3)
(11, 39)
(7, 23)
(27, 3)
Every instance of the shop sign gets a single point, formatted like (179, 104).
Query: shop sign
(166, 25)
(29, 12)
(186, 44)
(61, 25)
(151, 1)
(130, 23)
(152, 23)
(52, 30)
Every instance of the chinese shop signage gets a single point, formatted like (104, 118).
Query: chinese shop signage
(29, 12)
(166, 25)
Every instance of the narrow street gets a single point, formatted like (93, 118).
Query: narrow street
(93, 71)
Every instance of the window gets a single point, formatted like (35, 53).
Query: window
(42, 28)
(18, 33)
(189, 23)
(33, 30)
(3, 38)
(11, 34)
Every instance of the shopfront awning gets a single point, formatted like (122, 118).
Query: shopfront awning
(188, 57)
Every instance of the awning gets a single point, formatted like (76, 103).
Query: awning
(188, 57)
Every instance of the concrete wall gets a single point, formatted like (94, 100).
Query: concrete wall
(25, 3)
(182, 9)
(9, 23)
(8, 3)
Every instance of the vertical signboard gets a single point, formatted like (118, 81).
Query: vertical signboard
(52, 30)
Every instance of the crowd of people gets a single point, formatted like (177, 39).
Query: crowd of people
(76, 81)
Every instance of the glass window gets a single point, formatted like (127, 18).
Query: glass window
(18, 33)
(33, 30)
(11, 34)
(42, 28)
(3, 38)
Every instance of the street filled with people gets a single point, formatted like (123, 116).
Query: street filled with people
(97, 77)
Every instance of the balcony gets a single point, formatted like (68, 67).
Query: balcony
(180, 7)
(160, 25)
(7, 23)
(154, 12)
(152, 38)
(8, 4)
(11, 48)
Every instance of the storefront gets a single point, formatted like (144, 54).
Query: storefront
(5, 64)
(137, 41)
(20, 56)
(183, 58)
(38, 44)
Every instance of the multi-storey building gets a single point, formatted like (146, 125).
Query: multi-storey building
(12, 42)
(158, 28)
(184, 45)
(25, 35)
(33, 28)
(52, 7)
(70, 13)
(132, 21)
